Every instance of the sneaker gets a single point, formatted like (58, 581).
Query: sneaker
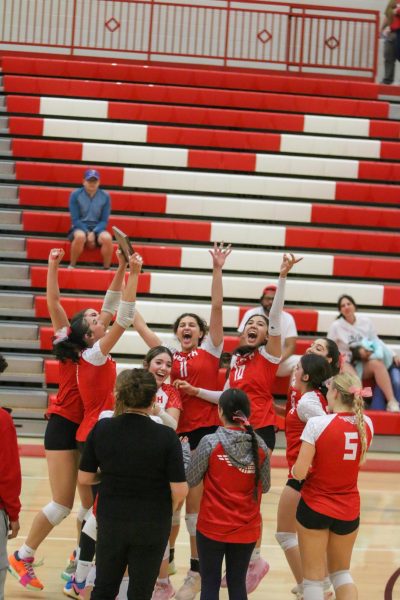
(70, 568)
(71, 267)
(163, 591)
(171, 568)
(22, 569)
(393, 406)
(190, 588)
(256, 571)
(73, 589)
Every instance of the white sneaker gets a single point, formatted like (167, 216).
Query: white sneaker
(393, 406)
(190, 588)
(163, 591)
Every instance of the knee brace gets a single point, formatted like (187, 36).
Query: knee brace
(191, 522)
(83, 513)
(55, 513)
(339, 578)
(313, 590)
(90, 527)
(286, 540)
(176, 518)
(166, 553)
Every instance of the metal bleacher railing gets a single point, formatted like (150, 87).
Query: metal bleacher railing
(264, 35)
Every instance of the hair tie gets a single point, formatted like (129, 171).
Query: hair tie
(241, 417)
(62, 335)
(363, 392)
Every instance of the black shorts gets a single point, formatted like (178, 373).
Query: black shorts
(268, 435)
(60, 434)
(196, 435)
(310, 519)
(295, 484)
(72, 231)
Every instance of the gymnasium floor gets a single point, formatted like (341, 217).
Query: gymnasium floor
(376, 556)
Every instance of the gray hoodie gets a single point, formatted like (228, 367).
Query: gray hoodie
(238, 448)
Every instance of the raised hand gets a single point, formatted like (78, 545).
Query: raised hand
(219, 254)
(121, 259)
(135, 263)
(288, 261)
(56, 255)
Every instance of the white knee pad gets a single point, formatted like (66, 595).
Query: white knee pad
(191, 522)
(166, 553)
(55, 513)
(176, 518)
(90, 527)
(313, 590)
(83, 513)
(286, 540)
(339, 578)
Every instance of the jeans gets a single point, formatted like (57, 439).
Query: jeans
(378, 399)
(211, 555)
(140, 546)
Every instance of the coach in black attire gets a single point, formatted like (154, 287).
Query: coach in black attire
(142, 480)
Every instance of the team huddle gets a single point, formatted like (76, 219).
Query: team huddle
(140, 446)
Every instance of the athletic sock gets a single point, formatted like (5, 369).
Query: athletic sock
(255, 555)
(171, 554)
(327, 584)
(194, 565)
(26, 552)
(163, 580)
(123, 588)
(82, 570)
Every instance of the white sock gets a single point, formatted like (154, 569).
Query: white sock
(82, 570)
(327, 583)
(26, 552)
(313, 590)
(255, 555)
(163, 580)
(123, 589)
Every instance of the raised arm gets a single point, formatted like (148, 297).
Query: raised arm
(219, 255)
(126, 308)
(57, 313)
(147, 335)
(274, 346)
(113, 295)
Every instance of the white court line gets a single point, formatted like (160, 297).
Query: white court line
(269, 546)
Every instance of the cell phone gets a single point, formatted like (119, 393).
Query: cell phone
(124, 243)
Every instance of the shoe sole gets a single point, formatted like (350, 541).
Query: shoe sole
(66, 593)
(15, 574)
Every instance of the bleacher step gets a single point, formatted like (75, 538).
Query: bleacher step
(17, 305)
(8, 194)
(17, 332)
(7, 168)
(14, 246)
(23, 369)
(23, 398)
(11, 220)
(14, 273)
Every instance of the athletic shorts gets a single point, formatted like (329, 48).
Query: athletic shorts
(268, 435)
(60, 433)
(196, 435)
(72, 231)
(295, 484)
(310, 519)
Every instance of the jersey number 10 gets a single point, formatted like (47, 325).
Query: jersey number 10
(350, 445)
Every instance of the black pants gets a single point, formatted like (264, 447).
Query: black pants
(140, 546)
(211, 555)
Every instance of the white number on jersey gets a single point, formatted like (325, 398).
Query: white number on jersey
(350, 445)
(239, 370)
(183, 368)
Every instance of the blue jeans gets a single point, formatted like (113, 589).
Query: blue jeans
(378, 399)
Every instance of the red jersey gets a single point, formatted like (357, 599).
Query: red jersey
(68, 402)
(96, 380)
(168, 397)
(228, 511)
(331, 486)
(200, 368)
(254, 374)
(301, 408)
(10, 470)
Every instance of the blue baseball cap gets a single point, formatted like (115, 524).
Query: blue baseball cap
(91, 174)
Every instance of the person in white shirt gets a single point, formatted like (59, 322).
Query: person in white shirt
(288, 330)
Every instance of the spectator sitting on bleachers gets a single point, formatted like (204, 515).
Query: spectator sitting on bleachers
(350, 328)
(288, 330)
(90, 208)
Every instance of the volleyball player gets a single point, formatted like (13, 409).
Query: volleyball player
(328, 514)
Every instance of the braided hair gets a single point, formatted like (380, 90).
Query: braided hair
(235, 407)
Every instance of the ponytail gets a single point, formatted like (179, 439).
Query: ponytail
(70, 341)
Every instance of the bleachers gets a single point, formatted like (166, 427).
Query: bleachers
(190, 156)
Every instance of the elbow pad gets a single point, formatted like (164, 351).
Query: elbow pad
(125, 314)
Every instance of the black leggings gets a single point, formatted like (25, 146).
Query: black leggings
(211, 555)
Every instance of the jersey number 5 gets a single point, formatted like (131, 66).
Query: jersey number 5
(350, 445)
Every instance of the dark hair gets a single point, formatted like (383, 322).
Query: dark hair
(200, 322)
(3, 363)
(231, 402)
(246, 349)
(317, 368)
(136, 388)
(342, 297)
(156, 351)
(70, 346)
(334, 355)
